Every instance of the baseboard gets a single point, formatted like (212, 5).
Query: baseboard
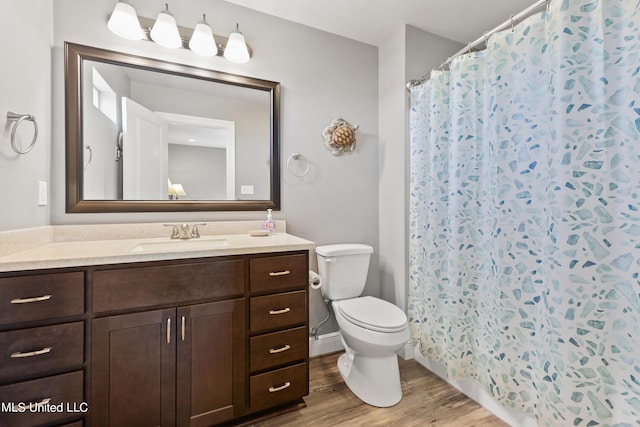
(330, 343)
(473, 390)
(407, 352)
(325, 344)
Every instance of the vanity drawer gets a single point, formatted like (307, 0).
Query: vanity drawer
(278, 311)
(276, 273)
(278, 348)
(135, 287)
(38, 297)
(278, 387)
(30, 352)
(60, 389)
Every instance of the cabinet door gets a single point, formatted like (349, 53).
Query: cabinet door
(211, 362)
(133, 370)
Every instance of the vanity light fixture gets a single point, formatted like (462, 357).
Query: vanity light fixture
(236, 50)
(164, 31)
(124, 22)
(202, 41)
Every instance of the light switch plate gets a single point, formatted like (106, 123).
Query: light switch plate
(42, 193)
(246, 189)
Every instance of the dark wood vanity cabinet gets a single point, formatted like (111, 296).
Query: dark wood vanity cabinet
(168, 367)
(41, 348)
(133, 370)
(278, 327)
(199, 342)
(181, 365)
(195, 342)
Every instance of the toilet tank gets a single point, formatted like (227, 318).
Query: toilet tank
(343, 268)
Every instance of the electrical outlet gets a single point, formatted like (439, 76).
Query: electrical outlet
(42, 193)
(246, 189)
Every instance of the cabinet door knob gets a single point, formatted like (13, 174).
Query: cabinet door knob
(19, 355)
(29, 300)
(279, 349)
(282, 387)
(284, 310)
(279, 273)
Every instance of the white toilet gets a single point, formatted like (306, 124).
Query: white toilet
(372, 330)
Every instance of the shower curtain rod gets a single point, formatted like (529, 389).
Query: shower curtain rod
(513, 19)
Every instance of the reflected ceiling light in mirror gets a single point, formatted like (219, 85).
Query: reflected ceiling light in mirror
(165, 30)
(124, 22)
(202, 41)
(236, 49)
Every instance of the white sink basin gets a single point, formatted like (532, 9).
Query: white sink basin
(174, 245)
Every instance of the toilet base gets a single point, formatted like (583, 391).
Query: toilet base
(374, 380)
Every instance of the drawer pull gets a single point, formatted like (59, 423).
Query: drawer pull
(30, 353)
(280, 349)
(279, 273)
(284, 310)
(182, 328)
(28, 300)
(33, 406)
(282, 387)
(169, 330)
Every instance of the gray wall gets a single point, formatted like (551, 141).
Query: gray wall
(361, 197)
(252, 123)
(408, 54)
(25, 88)
(323, 77)
(102, 172)
(202, 171)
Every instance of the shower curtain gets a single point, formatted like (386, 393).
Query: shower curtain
(525, 215)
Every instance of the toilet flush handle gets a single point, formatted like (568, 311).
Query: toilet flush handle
(332, 259)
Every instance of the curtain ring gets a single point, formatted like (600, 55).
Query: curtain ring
(486, 39)
(547, 2)
(512, 23)
(19, 118)
(468, 48)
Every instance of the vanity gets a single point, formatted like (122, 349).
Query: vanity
(121, 332)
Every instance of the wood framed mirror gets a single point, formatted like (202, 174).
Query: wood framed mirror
(146, 135)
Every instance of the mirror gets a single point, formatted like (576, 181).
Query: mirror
(146, 135)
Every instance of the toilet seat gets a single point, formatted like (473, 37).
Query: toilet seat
(373, 314)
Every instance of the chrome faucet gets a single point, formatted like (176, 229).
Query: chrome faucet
(182, 231)
(195, 233)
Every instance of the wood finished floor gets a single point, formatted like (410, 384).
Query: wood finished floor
(427, 401)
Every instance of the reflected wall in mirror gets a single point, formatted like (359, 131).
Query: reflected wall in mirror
(148, 135)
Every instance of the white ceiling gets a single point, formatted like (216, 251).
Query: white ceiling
(372, 21)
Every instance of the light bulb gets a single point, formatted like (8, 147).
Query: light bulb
(236, 49)
(165, 31)
(202, 41)
(124, 22)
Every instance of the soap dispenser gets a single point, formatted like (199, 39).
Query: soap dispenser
(269, 224)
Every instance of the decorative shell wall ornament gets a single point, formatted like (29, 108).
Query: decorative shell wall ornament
(340, 137)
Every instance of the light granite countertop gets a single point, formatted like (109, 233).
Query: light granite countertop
(64, 249)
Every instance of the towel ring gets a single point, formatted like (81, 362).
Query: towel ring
(19, 118)
(298, 156)
(88, 147)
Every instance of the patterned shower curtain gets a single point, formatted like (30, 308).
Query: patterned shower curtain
(525, 215)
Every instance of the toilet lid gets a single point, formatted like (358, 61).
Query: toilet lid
(373, 313)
